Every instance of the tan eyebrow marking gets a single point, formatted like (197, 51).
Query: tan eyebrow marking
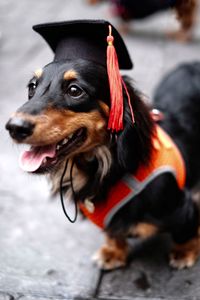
(70, 74)
(38, 73)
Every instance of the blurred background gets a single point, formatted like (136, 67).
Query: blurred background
(42, 256)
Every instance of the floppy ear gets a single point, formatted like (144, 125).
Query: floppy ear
(134, 143)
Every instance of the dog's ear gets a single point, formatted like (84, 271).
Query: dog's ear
(134, 143)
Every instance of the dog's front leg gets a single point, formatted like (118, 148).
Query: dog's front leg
(113, 254)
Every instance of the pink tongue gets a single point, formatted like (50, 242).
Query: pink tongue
(32, 159)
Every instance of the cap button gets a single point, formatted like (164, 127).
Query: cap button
(110, 40)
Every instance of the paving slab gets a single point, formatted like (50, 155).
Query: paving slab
(43, 256)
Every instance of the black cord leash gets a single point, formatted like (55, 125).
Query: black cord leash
(73, 193)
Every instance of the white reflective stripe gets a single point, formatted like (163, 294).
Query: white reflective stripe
(136, 188)
(131, 182)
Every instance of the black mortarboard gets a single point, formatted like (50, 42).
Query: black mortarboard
(83, 39)
(97, 41)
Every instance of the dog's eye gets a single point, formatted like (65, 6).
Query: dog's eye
(74, 91)
(31, 89)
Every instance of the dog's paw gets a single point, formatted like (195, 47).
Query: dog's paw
(108, 258)
(179, 260)
(185, 255)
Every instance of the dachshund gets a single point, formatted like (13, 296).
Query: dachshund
(128, 10)
(65, 124)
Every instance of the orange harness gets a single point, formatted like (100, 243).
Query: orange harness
(166, 157)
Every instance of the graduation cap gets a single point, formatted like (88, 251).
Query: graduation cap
(97, 41)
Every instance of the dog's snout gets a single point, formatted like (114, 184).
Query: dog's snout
(19, 128)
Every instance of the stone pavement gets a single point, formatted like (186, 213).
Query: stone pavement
(42, 256)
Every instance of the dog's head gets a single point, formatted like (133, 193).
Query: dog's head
(66, 114)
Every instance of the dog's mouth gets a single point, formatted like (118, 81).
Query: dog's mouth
(40, 159)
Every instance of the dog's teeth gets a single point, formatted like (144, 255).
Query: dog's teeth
(57, 147)
(65, 141)
(44, 161)
(71, 135)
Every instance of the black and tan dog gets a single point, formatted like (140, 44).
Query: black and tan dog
(128, 10)
(131, 182)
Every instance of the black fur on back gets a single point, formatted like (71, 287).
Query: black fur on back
(178, 97)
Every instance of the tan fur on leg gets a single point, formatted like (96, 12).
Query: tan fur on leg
(185, 255)
(112, 255)
(143, 230)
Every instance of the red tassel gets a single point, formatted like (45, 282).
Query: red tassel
(115, 122)
(116, 82)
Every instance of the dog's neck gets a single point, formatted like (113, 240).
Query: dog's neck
(83, 171)
(91, 174)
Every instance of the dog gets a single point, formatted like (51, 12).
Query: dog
(127, 10)
(65, 123)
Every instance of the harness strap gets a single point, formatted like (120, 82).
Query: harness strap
(136, 188)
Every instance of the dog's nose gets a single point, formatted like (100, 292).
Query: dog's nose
(19, 129)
